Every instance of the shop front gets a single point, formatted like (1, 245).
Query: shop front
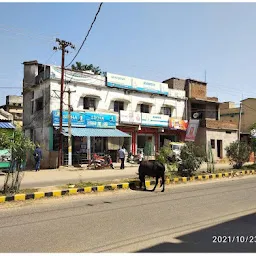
(176, 131)
(91, 133)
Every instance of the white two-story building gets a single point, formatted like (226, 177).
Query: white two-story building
(107, 112)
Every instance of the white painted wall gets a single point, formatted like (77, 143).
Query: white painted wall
(108, 95)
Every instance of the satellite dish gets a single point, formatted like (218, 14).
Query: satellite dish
(196, 115)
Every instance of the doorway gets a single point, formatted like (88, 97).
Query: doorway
(219, 149)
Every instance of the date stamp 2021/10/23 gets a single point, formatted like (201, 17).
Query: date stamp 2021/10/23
(234, 239)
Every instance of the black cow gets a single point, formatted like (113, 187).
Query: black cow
(151, 169)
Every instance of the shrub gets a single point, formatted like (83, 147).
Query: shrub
(192, 156)
(238, 153)
(165, 156)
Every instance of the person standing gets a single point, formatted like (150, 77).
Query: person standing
(122, 156)
(38, 157)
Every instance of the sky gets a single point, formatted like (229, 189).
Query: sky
(152, 41)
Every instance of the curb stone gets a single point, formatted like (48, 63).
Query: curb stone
(132, 184)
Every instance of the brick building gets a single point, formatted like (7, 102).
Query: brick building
(212, 131)
(230, 113)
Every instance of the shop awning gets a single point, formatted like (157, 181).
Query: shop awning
(6, 125)
(94, 132)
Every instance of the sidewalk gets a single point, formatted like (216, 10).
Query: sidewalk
(65, 175)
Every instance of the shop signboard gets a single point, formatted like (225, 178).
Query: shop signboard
(154, 120)
(123, 82)
(98, 120)
(129, 117)
(149, 86)
(136, 84)
(177, 124)
(85, 119)
(192, 130)
(77, 119)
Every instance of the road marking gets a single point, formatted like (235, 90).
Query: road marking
(100, 188)
(72, 191)
(125, 185)
(88, 189)
(2, 199)
(38, 194)
(20, 197)
(56, 193)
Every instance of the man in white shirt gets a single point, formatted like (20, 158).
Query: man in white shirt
(122, 156)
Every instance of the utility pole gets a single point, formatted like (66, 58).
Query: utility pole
(62, 46)
(69, 129)
(240, 120)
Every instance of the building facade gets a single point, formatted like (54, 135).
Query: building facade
(6, 127)
(230, 113)
(212, 132)
(143, 113)
(14, 106)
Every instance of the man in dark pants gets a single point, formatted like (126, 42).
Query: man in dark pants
(38, 156)
(122, 156)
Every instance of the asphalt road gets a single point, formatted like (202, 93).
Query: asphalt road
(185, 218)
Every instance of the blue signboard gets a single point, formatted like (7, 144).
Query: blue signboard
(85, 119)
(136, 84)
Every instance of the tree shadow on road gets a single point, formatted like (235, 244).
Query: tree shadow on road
(204, 240)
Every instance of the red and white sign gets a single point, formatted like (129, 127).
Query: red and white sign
(192, 130)
(129, 117)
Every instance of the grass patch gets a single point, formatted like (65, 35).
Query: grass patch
(21, 191)
(249, 167)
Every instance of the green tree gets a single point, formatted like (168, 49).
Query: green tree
(19, 146)
(192, 156)
(238, 153)
(85, 67)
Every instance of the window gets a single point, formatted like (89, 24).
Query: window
(39, 104)
(167, 111)
(213, 144)
(144, 108)
(89, 103)
(118, 105)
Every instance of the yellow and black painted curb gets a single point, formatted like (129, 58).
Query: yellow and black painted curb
(132, 184)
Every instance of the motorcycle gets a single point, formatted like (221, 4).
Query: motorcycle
(133, 159)
(98, 162)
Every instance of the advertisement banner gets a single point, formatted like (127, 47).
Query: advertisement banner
(154, 120)
(129, 117)
(123, 82)
(192, 130)
(85, 119)
(178, 124)
(136, 84)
